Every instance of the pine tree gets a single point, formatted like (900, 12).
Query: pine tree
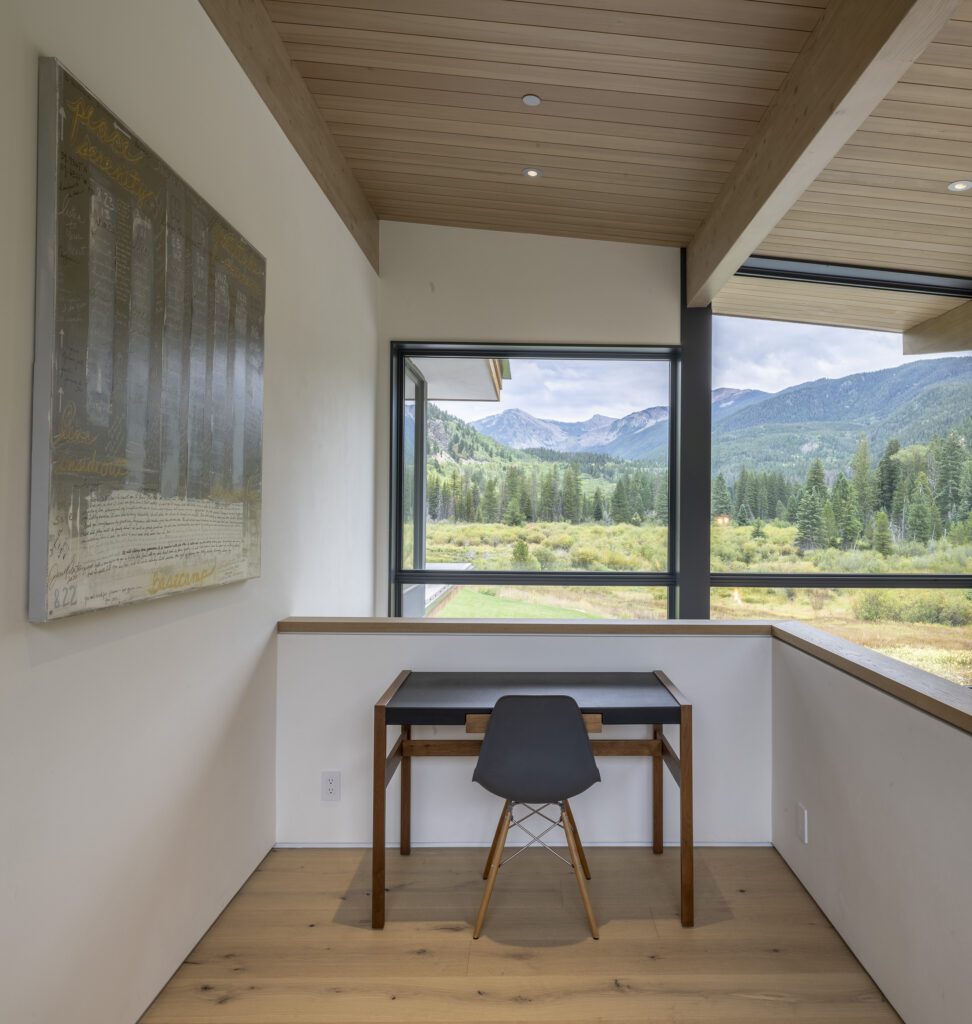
(743, 512)
(965, 490)
(845, 506)
(572, 495)
(829, 537)
(660, 509)
(455, 494)
(433, 495)
(549, 510)
(948, 476)
(620, 510)
(513, 516)
(597, 511)
(758, 529)
(919, 517)
(489, 510)
(863, 481)
(721, 498)
(810, 522)
(882, 541)
(816, 480)
(897, 514)
(889, 474)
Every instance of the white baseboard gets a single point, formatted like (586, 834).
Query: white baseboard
(484, 846)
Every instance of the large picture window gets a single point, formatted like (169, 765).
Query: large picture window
(532, 483)
(842, 487)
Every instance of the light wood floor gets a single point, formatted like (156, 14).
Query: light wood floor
(295, 946)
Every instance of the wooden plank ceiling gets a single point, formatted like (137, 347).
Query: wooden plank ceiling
(882, 201)
(646, 108)
(868, 308)
(646, 105)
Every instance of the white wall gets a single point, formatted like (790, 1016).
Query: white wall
(461, 284)
(327, 686)
(890, 829)
(137, 745)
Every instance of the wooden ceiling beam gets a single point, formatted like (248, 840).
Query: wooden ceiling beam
(856, 54)
(254, 41)
(950, 332)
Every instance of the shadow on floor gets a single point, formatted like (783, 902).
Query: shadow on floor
(536, 897)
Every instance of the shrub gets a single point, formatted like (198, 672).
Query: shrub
(544, 556)
(875, 606)
(521, 554)
(818, 598)
(584, 557)
(617, 560)
(944, 607)
(941, 607)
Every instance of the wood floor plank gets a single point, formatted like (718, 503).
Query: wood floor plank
(295, 946)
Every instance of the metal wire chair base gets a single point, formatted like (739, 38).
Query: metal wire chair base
(537, 840)
(577, 862)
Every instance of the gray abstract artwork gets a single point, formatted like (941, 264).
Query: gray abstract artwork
(148, 377)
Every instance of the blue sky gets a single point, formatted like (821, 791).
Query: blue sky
(758, 354)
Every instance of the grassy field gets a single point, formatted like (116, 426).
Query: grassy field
(930, 629)
(622, 547)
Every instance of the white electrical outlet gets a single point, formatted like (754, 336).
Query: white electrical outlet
(802, 824)
(330, 787)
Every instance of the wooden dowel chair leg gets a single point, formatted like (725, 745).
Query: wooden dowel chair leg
(569, 814)
(494, 866)
(496, 835)
(578, 871)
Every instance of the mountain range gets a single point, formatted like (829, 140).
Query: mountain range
(785, 430)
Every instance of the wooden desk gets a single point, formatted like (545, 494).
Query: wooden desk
(446, 698)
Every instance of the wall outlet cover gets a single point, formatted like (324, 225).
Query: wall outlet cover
(330, 787)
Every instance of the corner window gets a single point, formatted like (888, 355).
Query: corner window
(842, 487)
(532, 483)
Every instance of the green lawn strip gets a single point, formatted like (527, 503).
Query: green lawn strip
(475, 604)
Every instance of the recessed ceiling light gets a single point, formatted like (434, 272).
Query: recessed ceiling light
(532, 172)
(960, 186)
(531, 100)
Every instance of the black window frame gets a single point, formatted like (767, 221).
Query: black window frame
(846, 275)
(403, 352)
(689, 579)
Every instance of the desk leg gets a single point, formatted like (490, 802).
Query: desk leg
(405, 841)
(378, 823)
(657, 805)
(687, 837)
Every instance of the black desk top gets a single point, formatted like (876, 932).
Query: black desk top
(445, 698)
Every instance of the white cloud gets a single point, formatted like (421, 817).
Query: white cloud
(761, 354)
(771, 356)
(574, 389)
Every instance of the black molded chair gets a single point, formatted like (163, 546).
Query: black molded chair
(536, 751)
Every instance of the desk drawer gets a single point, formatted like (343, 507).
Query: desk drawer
(478, 723)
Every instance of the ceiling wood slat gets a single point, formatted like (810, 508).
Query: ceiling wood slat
(828, 304)
(648, 167)
(518, 24)
(734, 118)
(652, 113)
(541, 66)
(540, 47)
(851, 60)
